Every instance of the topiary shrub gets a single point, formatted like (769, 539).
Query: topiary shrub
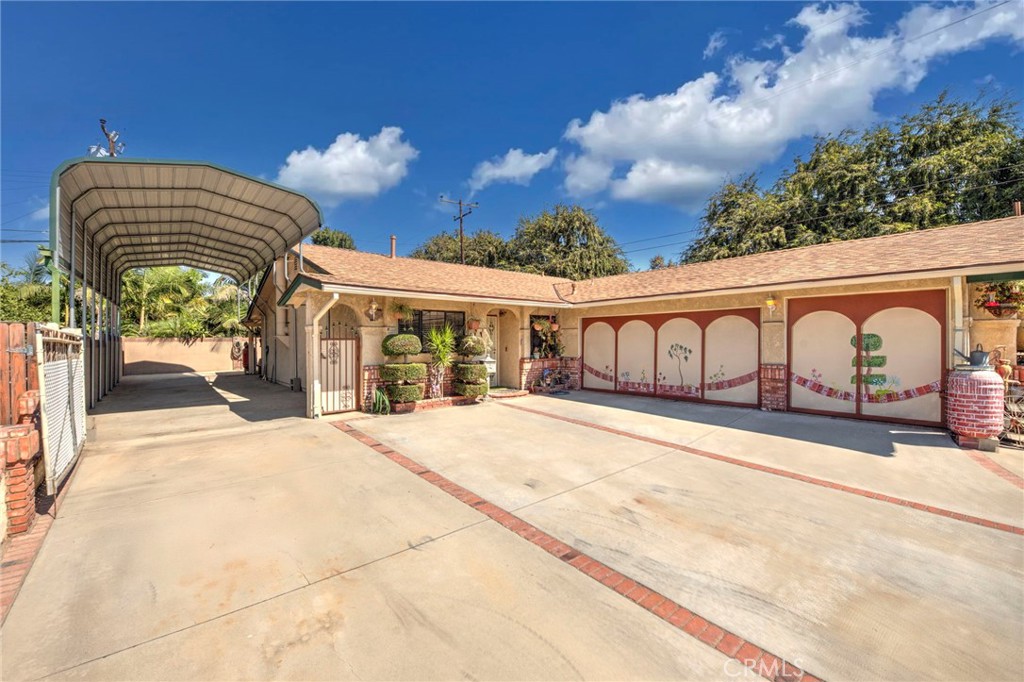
(470, 374)
(472, 345)
(404, 393)
(394, 345)
(469, 390)
(396, 373)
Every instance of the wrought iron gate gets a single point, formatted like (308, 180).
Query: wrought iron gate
(62, 396)
(339, 379)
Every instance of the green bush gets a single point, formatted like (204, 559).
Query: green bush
(405, 371)
(394, 345)
(470, 374)
(469, 390)
(472, 345)
(404, 393)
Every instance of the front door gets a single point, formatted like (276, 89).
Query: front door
(494, 350)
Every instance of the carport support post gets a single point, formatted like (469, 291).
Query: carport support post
(318, 307)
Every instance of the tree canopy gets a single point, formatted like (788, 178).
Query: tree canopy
(339, 239)
(565, 241)
(950, 162)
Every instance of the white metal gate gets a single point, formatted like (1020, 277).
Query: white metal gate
(62, 400)
(339, 383)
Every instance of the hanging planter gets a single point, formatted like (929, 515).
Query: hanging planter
(554, 326)
(537, 326)
(1001, 299)
(472, 324)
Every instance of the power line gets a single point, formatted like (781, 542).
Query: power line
(25, 215)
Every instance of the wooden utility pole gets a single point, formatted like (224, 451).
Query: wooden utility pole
(462, 214)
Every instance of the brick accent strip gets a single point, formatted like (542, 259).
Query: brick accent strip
(870, 494)
(995, 467)
(762, 662)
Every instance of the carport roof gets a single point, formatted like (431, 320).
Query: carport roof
(131, 213)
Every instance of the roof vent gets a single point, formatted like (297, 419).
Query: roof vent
(393, 241)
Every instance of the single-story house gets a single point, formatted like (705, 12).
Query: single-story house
(778, 330)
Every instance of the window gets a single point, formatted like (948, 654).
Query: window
(424, 320)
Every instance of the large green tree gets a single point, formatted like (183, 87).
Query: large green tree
(483, 248)
(339, 239)
(950, 162)
(565, 241)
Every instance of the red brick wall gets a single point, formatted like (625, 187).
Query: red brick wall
(371, 380)
(530, 370)
(774, 384)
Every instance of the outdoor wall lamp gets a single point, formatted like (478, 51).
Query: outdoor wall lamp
(373, 312)
(772, 303)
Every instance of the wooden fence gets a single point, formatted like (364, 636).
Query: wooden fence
(17, 367)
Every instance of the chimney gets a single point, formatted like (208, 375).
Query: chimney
(394, 238)
(1016, 208)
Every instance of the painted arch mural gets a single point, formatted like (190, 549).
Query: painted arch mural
(703, 355)
(876, 356)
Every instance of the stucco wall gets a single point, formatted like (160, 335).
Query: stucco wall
(163, 356)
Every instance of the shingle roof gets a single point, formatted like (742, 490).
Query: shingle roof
(414, 275)
(993, 242)
(957, 247)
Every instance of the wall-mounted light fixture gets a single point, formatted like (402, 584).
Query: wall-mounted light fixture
(771, 303)
(373, 312)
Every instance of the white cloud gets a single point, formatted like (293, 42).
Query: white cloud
(674, 147)
(715, 43)
(351, 167)
(515, 167)
(41, 213)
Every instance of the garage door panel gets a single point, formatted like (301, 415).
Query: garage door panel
(823, 363)
(636, 358)
(901, 365)
(731, 360)
(599, 357)
(679, 359)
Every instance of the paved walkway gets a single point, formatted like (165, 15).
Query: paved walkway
(213, 533)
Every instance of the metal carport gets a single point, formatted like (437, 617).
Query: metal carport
(109, 215)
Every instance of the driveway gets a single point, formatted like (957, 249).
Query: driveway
(211, 532)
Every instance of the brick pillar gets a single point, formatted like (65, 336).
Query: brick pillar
(21, 447)
(774, 384)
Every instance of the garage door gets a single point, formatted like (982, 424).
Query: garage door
(875, 356)
(708, 355)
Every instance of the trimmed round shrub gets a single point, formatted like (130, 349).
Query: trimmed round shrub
(469, 390)
(472, 345)
(396, 373)
(470, 374)
(394, 345)
(404, 393)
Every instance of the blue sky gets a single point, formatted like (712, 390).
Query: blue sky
(635, 110)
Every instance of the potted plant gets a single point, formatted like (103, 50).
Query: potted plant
(1001, 299)
(401, 311)
(473, 323)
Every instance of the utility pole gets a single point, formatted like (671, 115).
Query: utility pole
(462, 240)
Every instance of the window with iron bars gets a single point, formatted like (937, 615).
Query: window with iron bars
(424, 320)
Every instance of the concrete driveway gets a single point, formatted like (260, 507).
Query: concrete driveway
(213, 533)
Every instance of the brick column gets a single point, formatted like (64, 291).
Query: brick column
(774, 384)
(21, 447)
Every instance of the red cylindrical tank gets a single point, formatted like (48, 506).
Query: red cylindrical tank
(974, 403)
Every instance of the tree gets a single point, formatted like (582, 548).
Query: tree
(565, 242)
(339, 239)
(949, 162)
(483, 248)
(155, 294)
(658, 262)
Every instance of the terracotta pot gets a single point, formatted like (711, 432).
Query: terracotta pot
(537, 326)
(473, 325)
(554, 326)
